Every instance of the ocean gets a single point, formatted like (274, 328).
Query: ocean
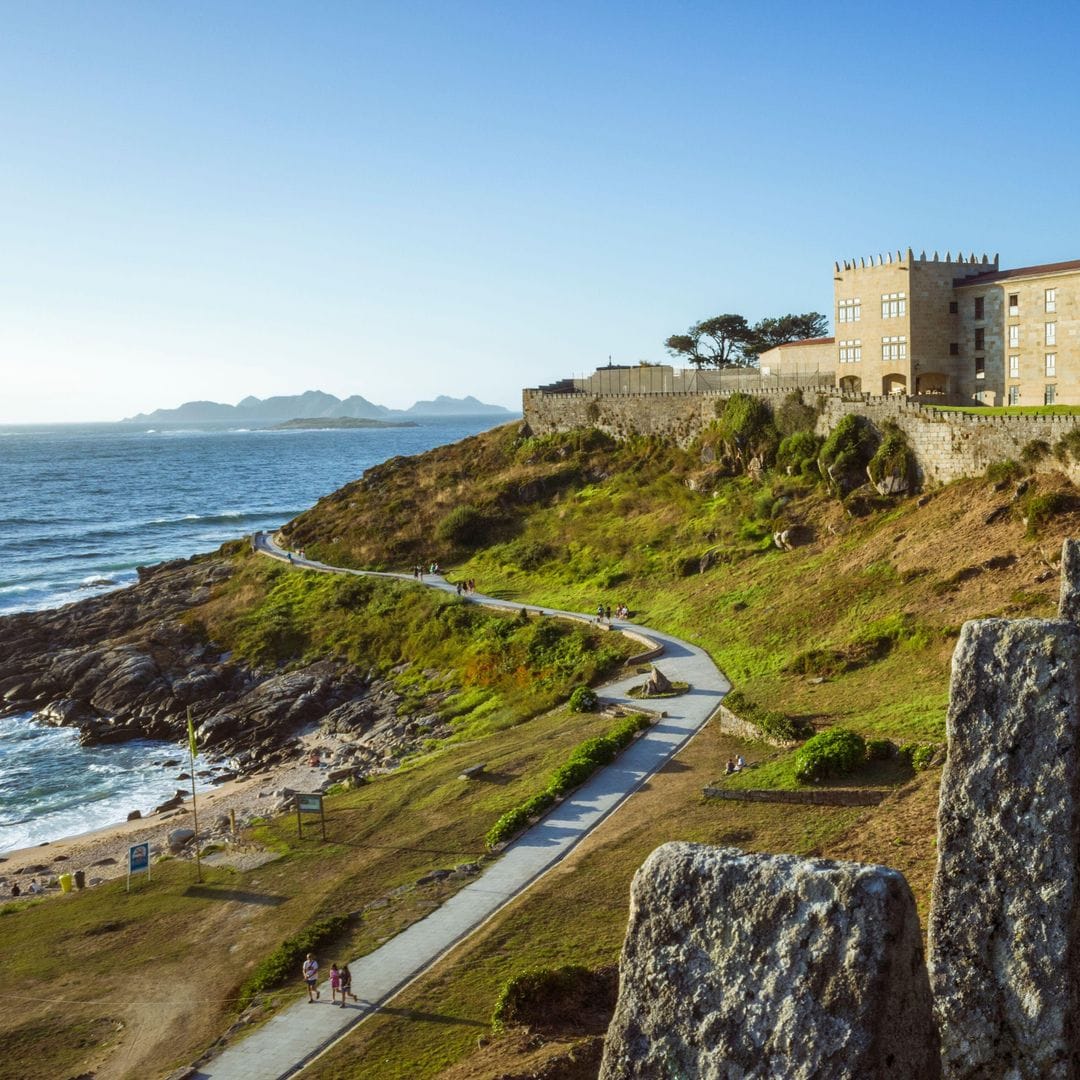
(82, 505)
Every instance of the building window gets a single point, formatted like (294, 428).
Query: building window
(1014, 304)
(850, 351)
(1051, 333)
(1014, 367)
(980, 308)
(849, 310)
(893, 305)
(1014, 337)
(980, 367)
(1048, 394)
(1051, 363)
(954, 348)
(954, 307)
(1051, 299)
(894, 348)
(1014, 395)
(980, 340)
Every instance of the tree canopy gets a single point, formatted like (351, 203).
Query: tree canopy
(730, 341)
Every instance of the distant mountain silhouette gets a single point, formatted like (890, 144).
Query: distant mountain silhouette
(315, 405)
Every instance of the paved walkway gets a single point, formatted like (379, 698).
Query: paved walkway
(286, 1043)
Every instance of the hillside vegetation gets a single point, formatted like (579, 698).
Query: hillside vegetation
(852, 629)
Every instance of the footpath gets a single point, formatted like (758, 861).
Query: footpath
(298, 1034)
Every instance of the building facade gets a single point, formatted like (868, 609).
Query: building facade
(961, 330)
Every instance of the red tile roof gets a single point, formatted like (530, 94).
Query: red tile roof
(1020, 272)
(807, 341)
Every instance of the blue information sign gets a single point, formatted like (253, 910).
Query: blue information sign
(138, 858)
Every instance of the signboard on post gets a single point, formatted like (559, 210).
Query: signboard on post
(138, 860)
(309, 804)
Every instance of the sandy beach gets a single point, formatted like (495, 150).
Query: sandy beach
(102, 853)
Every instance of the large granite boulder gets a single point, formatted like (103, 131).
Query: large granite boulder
(739, 965)
(1004, 941)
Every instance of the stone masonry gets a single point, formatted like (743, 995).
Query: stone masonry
(1003, 941)
(947, 446)
(740, 965)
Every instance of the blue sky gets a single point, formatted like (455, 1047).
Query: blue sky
(207, 200)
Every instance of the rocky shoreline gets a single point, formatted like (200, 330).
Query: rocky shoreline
(129, 664)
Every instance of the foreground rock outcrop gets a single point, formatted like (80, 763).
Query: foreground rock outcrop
(739, 965)
(127, 665)
(1005, 921)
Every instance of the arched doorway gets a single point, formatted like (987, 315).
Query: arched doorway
(894, 383)
(851, 384)
(932, 382)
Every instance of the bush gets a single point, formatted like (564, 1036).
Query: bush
(799, 452)
(794, 417)
(1068, 446)
(894, 458)
(1039, 509)
(584, 760)
(1034, 452)
(1004, 472)
(465, 526)
(772, 724)
(583, 699)
(832, 753)
(879, 750)
(285, 961)
(846, 453)
(746, 430)
(554, 998)
(919, 755)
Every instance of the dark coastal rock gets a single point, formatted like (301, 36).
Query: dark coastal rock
(1006, 898)
(739, 965)
(126, 665)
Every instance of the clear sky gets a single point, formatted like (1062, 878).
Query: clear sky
(209, 200)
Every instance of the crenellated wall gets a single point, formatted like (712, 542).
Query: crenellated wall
(947, 445)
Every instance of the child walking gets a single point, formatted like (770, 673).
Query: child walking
(346, 985)
(335, 984)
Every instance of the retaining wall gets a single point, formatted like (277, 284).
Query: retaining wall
(947, 445)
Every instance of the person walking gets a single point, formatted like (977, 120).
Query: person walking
(311, 977)
(335, 984)
(346, 985)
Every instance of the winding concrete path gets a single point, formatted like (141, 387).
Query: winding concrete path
(296, 1035)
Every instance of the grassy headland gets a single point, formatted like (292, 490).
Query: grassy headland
(852, 629)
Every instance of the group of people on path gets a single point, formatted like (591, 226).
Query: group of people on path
(418, 571)
(340, 981)
(466, 585)
(603, 612)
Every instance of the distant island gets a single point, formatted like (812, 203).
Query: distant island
(328, 423)
(315, 405)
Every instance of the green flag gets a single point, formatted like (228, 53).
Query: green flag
(191, 737)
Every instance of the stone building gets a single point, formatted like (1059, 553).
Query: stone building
(957, 330)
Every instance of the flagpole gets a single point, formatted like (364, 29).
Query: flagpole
(194, 805)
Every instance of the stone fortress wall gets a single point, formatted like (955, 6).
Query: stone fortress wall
(947, 446)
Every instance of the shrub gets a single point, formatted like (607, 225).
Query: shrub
(772, 724)
(832, 753)
(745, 427)
(1034, 452)
(584, 760)
(284, 962)
(465, 526)
(792, 416)
(799, 452)
(879, 750)
(1068, 446)
(846, 453)
(893, 458)
(552, 997)
(583, 699)
(918, 755)
(1004, 472)
(1039, 509)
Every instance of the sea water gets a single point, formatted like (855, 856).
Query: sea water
(82, 505)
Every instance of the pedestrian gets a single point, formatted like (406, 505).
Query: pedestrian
(335, 985)
(15, 890)
(346, 985)
(607, 613)
(288, 556)
(311, 977)
(599, 613)
(472, 584)
(459, 588)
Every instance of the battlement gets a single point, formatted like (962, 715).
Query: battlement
(908, 258)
